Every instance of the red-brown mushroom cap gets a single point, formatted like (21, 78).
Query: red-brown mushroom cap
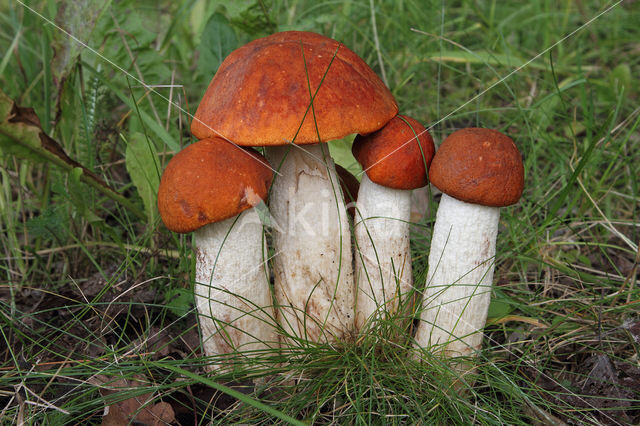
(261, 94)
(209, 181)
(480, 166)
(392, 156)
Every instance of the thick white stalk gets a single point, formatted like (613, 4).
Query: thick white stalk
(312, 241)
(234, 302)
(383, 258)
(458, 290)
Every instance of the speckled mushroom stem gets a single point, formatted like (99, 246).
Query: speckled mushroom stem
(396, 159)
(383, 258)
(312, 241)
(458, 289)
(234, 302)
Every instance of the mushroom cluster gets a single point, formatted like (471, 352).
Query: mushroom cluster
(290, 93)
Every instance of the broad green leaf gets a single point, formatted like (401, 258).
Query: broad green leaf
(499, 308)
(179, 300)
(250, 15)
(340, 150)
(237, 8)
(217, 41)
(142, 163)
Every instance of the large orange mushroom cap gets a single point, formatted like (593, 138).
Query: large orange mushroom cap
(262, 92)
(393, 157)
(209, 181)
(479, 166)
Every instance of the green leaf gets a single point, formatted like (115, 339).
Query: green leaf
(179, 301)
(218, 40)
(250, 15)
(499, 308)
(340, 150)
(142, 163)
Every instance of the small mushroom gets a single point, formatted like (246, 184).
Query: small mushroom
(211, 187)
(396, 159)
(478, 171)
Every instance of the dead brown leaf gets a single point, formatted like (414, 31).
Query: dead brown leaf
(138, 409)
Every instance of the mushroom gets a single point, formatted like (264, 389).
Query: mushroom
(478, 171)
(396, 159)
(211, 187)
(301, 88)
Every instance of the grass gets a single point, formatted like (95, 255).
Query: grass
(94, 290)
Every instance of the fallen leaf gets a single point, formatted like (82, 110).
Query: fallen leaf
(136, 409)
(21, 134)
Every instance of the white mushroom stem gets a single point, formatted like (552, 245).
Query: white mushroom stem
(458, 289)
(312, 262)
(383, 258)
(234, 302)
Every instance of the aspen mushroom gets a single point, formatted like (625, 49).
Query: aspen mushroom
(211, 187)
(396, 159)
(478, 171)
(301, 88)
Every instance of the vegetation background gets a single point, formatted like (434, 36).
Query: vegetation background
(95, 294)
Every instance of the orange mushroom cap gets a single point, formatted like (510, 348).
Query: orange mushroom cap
(392, 156)
(209, 181)
(262, 92)
(480, 166)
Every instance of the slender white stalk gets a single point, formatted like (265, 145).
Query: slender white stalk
(383, 258)
(458, 290)
(234, 302)
(312, 240)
